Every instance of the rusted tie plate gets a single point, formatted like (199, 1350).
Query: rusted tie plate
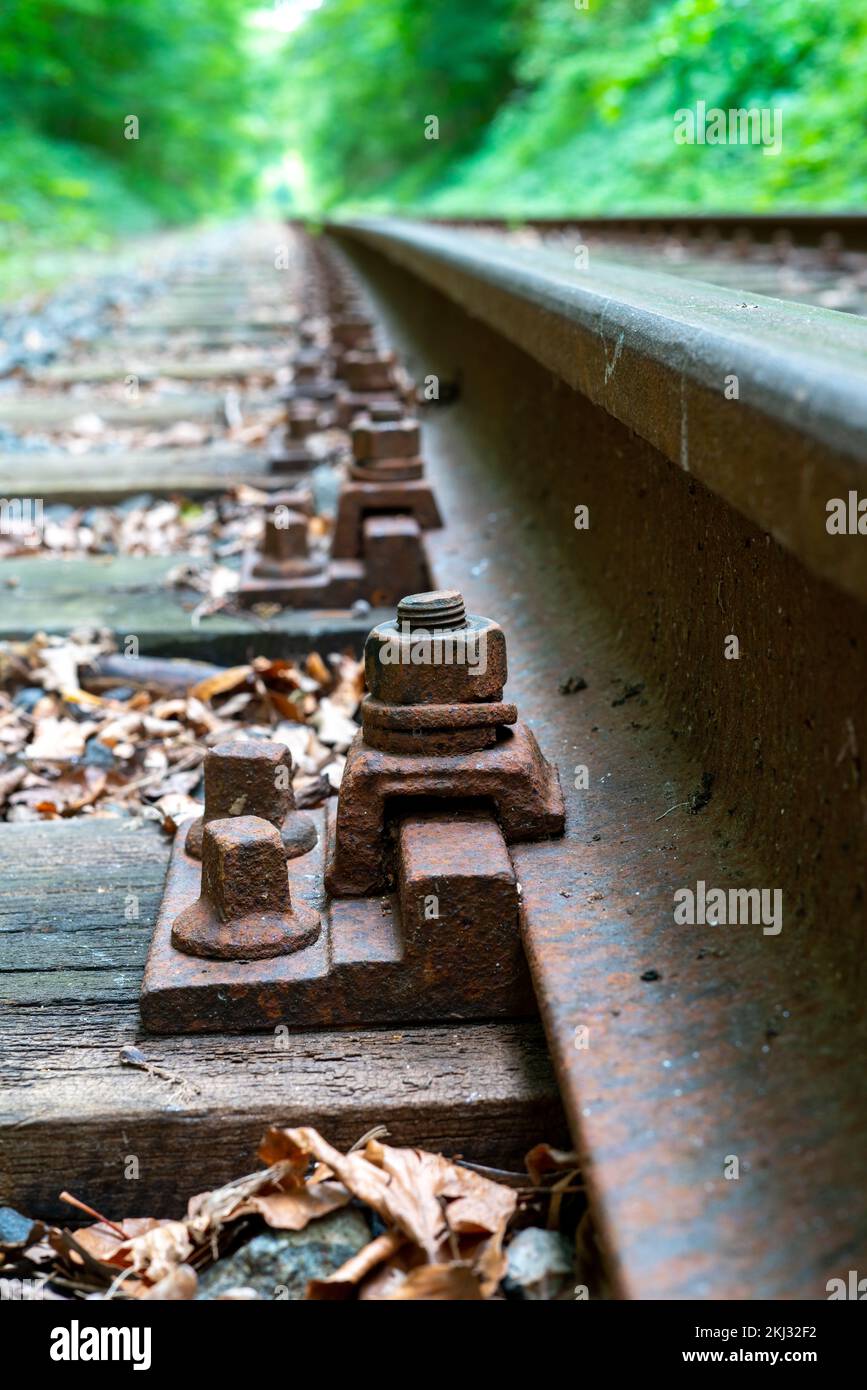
(377, 551)
(418, 914)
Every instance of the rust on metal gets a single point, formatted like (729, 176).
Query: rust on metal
(320, 390)
(420, 907)
(244, 910)
(289, 452)
(376, 443)
(284, 551)
(702, 1041)
(359, 501)
(368, 370)
(377, 548)
(386, 477)
(382, 411)
(294, 499)
(302, 419)
(310, 364)
(352, 331)
(349, 404)
(290, 458)
(445, 945)
(389, 559)
(435, 655)
(393, 553)
(512, 776)
(460, 912)
(313, 383)
(252, 777)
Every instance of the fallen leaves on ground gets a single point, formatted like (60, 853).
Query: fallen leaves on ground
(440, 1207)
(74, 741)
(441, 1227)
(203, 531)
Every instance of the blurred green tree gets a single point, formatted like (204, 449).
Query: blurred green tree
(509, 107)
(72, 73)
(548, 107)
(366, 78)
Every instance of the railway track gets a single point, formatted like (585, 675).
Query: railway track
(707, 521)
(634, 469)
(809, 260)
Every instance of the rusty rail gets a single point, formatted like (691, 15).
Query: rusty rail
(712, 1073)
(831, 230)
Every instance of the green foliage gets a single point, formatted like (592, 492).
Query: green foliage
(549, 108)
(542, 107)
(71, 74)
(365, 77)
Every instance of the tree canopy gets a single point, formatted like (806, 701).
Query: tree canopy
(546, 106)
(510, 107)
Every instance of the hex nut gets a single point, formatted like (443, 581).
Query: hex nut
(385, 439)
(460, 665)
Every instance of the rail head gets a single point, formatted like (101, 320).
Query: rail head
(762, 400)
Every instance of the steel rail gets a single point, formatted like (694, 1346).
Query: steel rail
(844, 230)
(659, 354)
(712, 1075)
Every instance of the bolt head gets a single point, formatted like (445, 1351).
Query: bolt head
(284, 549)
(245, 911)
(248, 777)
(244, 868)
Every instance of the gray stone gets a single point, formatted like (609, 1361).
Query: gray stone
(540, 1264)
(279, 1264)
(16, 1230)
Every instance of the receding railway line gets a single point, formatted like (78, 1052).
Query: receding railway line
(637, 473)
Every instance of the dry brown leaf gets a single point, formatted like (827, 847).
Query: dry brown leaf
(158, 1252)
(119, 730)
(409, 1188)
(179, 1284)
(334, 727)
(286, 707)
(67, 794)
(197, 714)
(59, 740)
(221, 683)
(59, 660)
(381, 1284)
(277, 672)
(229, 708)
(348, 684)
(342, 1284)
(175, 808)
(428, 1283)
(208, 1211)
(488, 1259)
(292, 1211)
(106, 1245)
(543, 1159)
(316, 668)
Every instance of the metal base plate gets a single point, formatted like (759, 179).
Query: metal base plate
(356, 973)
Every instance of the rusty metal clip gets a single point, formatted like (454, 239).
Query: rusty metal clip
(419, 914)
